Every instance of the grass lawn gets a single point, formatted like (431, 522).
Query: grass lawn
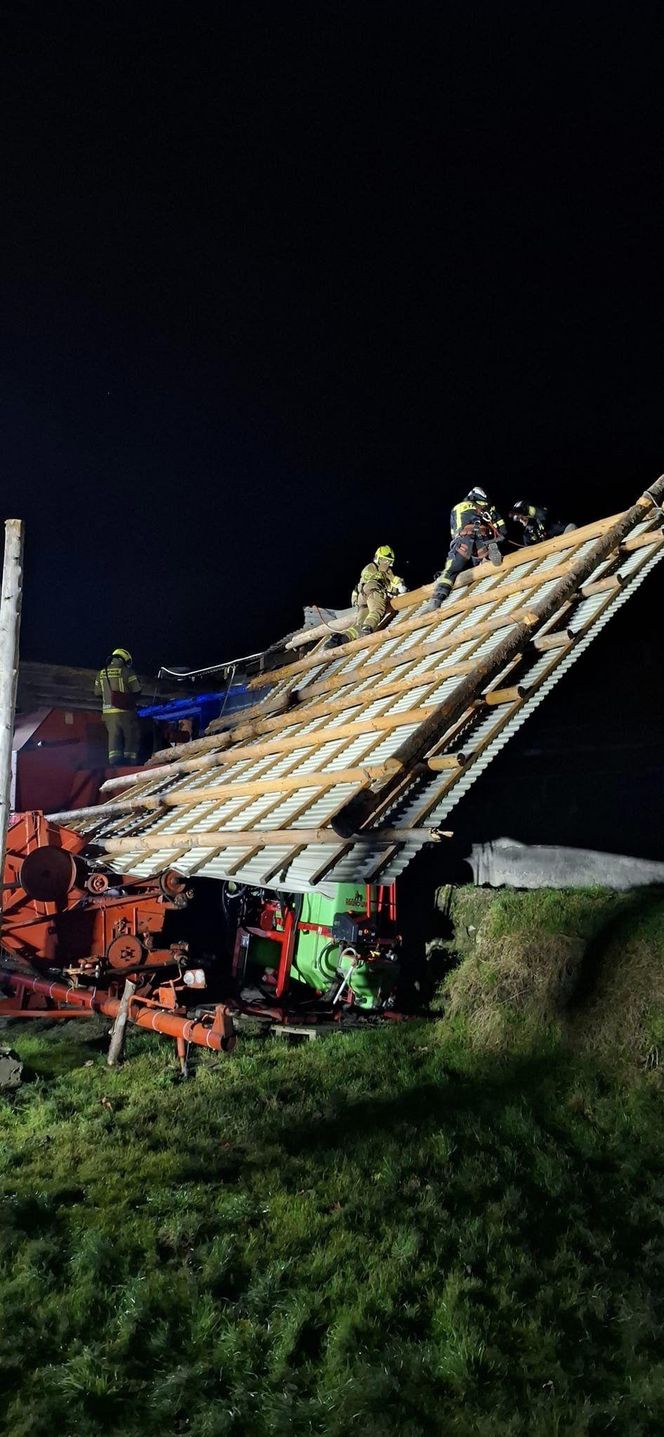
(381, 1233)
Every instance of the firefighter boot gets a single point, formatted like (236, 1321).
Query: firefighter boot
(438, 597)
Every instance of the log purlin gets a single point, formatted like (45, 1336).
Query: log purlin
(283, 790)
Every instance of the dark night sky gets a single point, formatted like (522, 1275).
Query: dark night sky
(279, 282)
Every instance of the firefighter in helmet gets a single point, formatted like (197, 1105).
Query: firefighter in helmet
(377, 584)
(118, 687)
(477, 530)
(536, 522)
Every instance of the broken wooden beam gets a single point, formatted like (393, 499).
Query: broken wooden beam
(559, 640)
(509, 695)
(323, 630)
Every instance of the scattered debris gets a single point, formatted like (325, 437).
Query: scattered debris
(11, 1069)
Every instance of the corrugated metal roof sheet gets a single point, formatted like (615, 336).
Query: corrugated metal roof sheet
(388, 734)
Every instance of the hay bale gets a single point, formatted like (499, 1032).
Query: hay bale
(513, 987)
(584, 966)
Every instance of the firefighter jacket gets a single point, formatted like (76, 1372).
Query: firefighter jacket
(536, 526)
(383, 580)
(469, 518)
(117, 686)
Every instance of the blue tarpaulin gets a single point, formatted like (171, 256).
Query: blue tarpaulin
(204, 707)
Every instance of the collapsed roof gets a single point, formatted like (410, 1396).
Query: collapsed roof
(359, 752)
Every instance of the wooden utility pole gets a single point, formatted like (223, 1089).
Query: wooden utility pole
(10, 623)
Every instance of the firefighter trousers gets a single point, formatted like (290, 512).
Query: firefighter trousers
(124, 735)
(465, 552)
(372, 608)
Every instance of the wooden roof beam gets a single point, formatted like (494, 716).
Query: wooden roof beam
(256, 838)
(287, 784)
(643, 541)
(607, 585)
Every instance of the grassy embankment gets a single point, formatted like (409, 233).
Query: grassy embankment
(450, 1227)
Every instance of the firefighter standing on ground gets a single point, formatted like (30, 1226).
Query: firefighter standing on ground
(377, 585)
(477, 529)
(119, 688)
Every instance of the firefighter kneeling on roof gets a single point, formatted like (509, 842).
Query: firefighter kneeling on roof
(119, 689)
(477, 529)
(377, 585)
(537, 523)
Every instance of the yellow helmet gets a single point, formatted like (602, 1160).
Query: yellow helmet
(122, 654)
(384, 552)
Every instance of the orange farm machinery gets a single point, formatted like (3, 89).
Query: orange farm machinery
(74, 933)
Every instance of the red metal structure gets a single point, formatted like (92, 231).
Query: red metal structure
(278, 924)
(59, 760)
(98, 929)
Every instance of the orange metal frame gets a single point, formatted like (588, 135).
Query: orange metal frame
(82, 920)
(57, 912)
(159, 1014)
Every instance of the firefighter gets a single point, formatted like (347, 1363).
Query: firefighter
(477, 530)
(118, 687)
(532, 519)
(536, 523)
(376, 586)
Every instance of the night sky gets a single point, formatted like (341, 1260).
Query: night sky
(279, 283)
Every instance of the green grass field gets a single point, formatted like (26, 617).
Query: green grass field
(391, 1232)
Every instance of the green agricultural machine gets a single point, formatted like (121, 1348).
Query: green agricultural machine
(338, 948)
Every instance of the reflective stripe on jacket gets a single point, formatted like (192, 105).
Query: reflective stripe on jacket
(118, 687)
(483, 521)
